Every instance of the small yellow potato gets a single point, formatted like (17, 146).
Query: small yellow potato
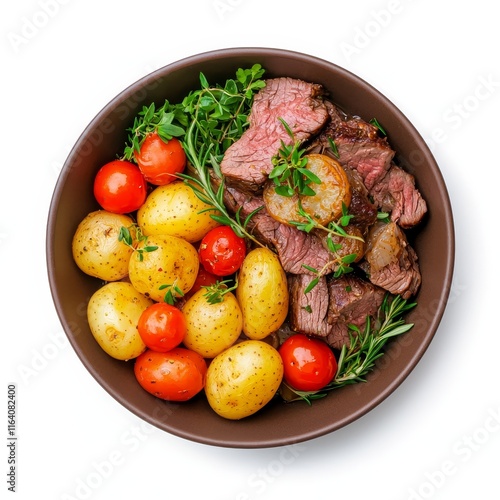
(262, 293)
(175, 209)
(163, 261)
(211, 328)
(113, 312)
(325, 205)
(243, 379)
(96, 248)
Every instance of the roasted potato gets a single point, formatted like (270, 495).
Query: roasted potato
(174, 209)
(324, 206)
(262, 293)
(211, 327)
(243, 379)
(163, 261)
(96, 248)
(113, 312)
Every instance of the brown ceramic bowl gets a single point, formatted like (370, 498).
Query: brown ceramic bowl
(278, 423)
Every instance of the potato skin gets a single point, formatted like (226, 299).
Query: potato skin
(174, 262)
(174, 209)
(243, 379)
(262, 293)
(96, 248)
(113, 312)
(211, 328)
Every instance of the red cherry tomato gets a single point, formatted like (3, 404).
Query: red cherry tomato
(176, 375)
(309, 363)
(160, 161)
(222, 251)
(120, 187)
(162, 326)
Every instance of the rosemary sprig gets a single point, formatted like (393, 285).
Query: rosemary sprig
(376, 124)
(218, 117)
(365, 347)
(334, 148)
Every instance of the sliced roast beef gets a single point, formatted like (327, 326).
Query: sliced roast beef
(345, 246)
(352, 300)
(247, 162)
(363, 210)
(332, 305)
(309, 311)
(360, 148)
(390, 262)
(295, 248)
(396, 193)
(359, 145)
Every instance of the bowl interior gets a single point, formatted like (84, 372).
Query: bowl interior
(279, 423)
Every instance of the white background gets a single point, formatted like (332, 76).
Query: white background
(438, 435)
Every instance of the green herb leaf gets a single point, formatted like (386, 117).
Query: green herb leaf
(375, 123)
(217, 117)
(358, 358)
(333, 147)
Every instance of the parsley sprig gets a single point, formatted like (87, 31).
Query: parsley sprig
(207, 122)
(218, 116)
(167, 121)
(290, 174)
(358, 358)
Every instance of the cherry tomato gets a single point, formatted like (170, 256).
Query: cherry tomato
(162, 326)
(176, 375)
(204, 278)
(159, 161)
(120, 187)
(222, 251)
(309, 363)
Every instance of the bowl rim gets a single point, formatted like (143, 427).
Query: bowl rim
(236, 52)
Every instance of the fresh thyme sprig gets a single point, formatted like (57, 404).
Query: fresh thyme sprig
(125, 236)
(172, 294)
(366, 346)
(308, 223)
(216, 291)
(333, 228)
(290, 174)
(343, 266)
(218, 117)
(204, 190)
